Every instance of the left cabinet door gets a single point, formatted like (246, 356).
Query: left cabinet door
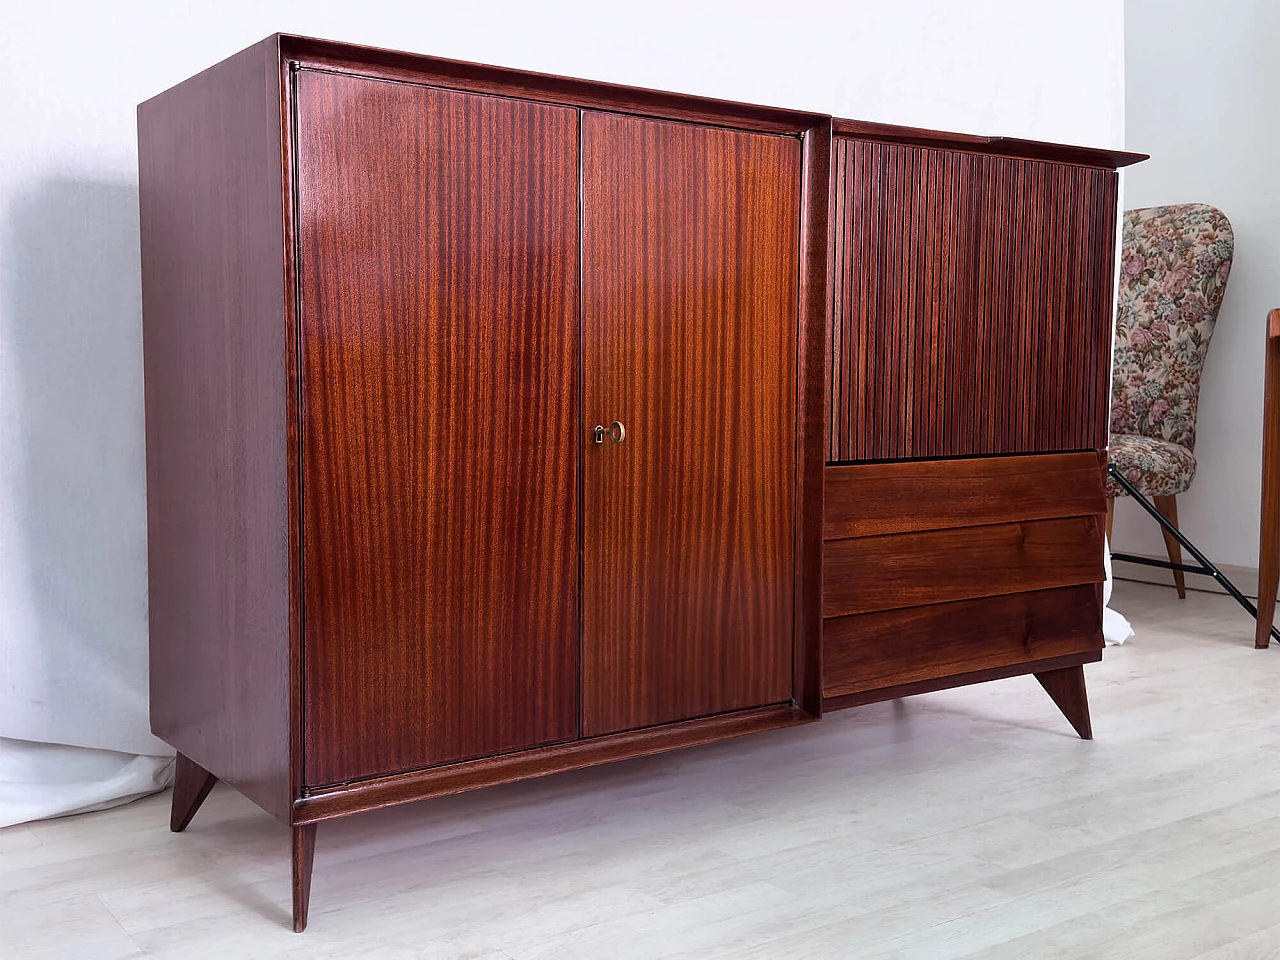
(438, 284)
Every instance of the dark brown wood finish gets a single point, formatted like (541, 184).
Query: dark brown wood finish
(1269, 532)
(293, 366)
(865, 574)
(352, 798)
(868, 499)
(304, 854)
(527, 85)
(214, 335)
(971, 303)
(191, 785)
(1066, 687)
(400, 421)
(811, 391)
(440, 433)
(991, 146)
(892, 647)
(690, 241)
(959, 680)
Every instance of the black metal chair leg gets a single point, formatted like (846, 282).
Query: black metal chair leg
(1205, 568)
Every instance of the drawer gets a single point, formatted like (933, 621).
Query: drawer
(871, 651)
(872, 499)
(866, 574)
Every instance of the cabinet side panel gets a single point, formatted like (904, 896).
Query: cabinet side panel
(214, 340)
(971, 307)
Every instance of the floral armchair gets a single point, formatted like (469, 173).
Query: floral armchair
(1174, 269)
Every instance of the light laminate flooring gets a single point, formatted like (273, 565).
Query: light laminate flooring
(967, 823)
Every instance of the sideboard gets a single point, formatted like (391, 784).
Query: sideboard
(500, 424)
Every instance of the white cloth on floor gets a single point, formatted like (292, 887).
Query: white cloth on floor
(42, 780)
(1115, 628)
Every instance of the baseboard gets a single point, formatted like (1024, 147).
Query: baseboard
(1245, 578)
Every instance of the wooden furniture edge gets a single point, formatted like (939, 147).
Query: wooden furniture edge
(346, 799)
(960, 680)
(292, 336)
(811, 380)
(398, 65)
(1012, 147)
(388, 64)
(1269, 520)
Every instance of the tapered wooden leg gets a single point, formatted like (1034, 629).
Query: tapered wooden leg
(1066, 687)
(1269, 536)
(1268, 577)
(1168, 507)
(191, 784)
(1111, 518)
(304, 853)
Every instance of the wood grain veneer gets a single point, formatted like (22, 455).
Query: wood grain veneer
(971, 303)
(440, 424)
(892, 647)
(867, 499)
(864, 574)
(991, 146)
(215, 391)
(690, 246)
(811, 387)
(528, 85)
(340, 801)
(386, 298)
(986, 675)
(1269, 521)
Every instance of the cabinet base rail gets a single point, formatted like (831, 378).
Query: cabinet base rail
(1061, 677)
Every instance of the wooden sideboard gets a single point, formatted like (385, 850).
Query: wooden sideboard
(500, 424)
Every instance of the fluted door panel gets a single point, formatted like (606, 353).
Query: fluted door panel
(970, 303)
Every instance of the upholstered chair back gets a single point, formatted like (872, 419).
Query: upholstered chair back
(1173, 273)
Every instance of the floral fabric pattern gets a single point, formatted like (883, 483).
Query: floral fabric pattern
(1156, 467)
(1174, 265)
(1174, 268)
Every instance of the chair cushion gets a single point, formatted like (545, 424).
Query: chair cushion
(1158, 468)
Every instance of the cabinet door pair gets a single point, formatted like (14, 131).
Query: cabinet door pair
(483, 281)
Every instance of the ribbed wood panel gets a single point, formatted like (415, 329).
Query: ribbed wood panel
(971, 303)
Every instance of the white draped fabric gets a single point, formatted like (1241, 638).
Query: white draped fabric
(1115, 628)
(42, 780)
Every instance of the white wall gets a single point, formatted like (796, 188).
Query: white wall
(1202, 83)
(72, 521)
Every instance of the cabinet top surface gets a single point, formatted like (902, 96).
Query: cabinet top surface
(506, 81)
(974, 143)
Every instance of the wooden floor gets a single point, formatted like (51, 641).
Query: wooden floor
(967, 823)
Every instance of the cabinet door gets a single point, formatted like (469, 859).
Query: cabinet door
(690, 241)
(439, 291)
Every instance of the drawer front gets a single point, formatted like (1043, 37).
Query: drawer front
(876, 650)
(865, 574)
(864, 500)
(938, 568)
